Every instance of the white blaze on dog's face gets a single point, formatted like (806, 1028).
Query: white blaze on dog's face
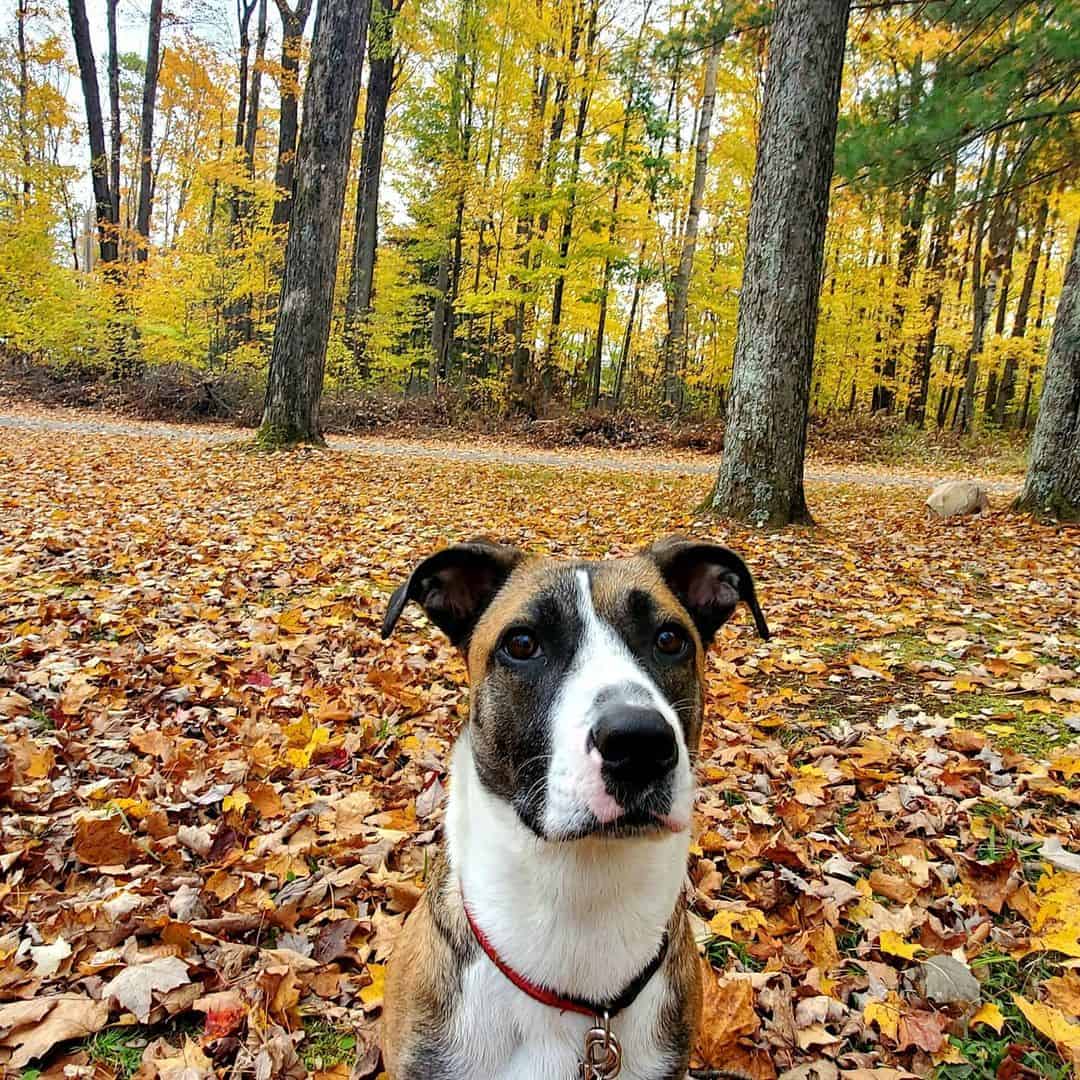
(587, 677)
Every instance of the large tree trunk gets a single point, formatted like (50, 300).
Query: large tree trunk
(1053, 476)
(146, 130)
(674, 347)
(293, 21)
(298, 358)
(381, 60)
(99, 174)
(761, 472)
(940, 243)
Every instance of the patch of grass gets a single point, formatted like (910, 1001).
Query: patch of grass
(721, 951)
(119, 1049)
(1009, 727)
(908, 645)
(40, 719)
(326, 1045)
(1000, 844)
(985, 1049)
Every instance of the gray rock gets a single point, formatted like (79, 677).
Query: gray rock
(956, 497)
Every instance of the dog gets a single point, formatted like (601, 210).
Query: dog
(552, 942)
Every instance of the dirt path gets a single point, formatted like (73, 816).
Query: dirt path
(630, 461)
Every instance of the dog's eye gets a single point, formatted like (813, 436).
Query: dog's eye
(520, 644)
(671, 640)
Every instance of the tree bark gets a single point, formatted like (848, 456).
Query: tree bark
(146, 130)
(293, 21)
(761, 471)
(674, 347)
(298, 357)
(381, 60)
(1053, 477)
(99, 168)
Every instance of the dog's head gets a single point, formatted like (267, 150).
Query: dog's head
(587, 677)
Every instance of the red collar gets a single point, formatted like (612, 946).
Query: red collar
(545, 996)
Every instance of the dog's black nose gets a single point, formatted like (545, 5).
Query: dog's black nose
(637, 744)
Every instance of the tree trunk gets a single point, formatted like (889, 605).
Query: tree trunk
(567, 231)
(116, 132)
(298, 357)
(521, 375)
(761, 471)
(293, 21)
(1053, 477)
(442, 321)
(910, 234)
(251, 125)
(244, 11)
(24, 91)
(146, 130)
(1007, 390)
(940, 243)
(1023, 303)
(983, 286)
(381, 60)
(104, 198)
(674, 347)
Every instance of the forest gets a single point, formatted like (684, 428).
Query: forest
(546, 202)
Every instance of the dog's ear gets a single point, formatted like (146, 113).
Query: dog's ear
(709, 579)
(454, 586)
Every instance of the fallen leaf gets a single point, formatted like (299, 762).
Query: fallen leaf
(133, 989)
(32, 1028)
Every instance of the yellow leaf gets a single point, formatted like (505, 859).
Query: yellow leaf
(886, 1014)
(1050, 1022)
(990, 1015)
(237, 800)
(892, 943)
(723, 923)
(132, 808)
(372, 995)
(1068, 765)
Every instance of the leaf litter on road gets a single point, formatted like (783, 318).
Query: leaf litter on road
(222, 791)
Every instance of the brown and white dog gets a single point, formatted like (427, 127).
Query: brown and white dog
(568, 822)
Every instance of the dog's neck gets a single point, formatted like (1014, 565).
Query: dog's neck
(583, 917)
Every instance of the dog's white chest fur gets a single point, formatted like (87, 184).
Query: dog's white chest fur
(585, 917)
(501, 1034)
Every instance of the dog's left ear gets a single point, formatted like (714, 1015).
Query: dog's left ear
(454, 586)
(709, 579)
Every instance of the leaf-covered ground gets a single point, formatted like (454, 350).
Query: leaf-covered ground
(220, 789)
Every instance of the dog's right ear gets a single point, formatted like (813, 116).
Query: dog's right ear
(455, 585)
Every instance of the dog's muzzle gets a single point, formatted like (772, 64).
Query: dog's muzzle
(637, 747)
